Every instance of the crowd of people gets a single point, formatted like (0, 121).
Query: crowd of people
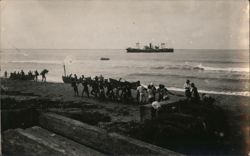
(115, 90)
(119, 90)
(31, 75)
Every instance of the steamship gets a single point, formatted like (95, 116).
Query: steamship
(150, 49)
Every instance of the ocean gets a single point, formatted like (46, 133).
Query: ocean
(212, 71)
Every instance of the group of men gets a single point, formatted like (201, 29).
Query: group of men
(21, 75)
(150, 94)
(118, 90)
(102, 88)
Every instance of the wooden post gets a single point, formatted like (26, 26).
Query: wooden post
(64, 69)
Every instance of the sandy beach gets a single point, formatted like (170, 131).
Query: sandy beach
(236, 107)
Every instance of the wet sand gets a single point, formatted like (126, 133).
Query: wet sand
(236, 107)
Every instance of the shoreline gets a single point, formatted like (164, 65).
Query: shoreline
(67, 92)
(181, 90)
(175, 90)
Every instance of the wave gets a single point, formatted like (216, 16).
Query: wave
(39, 61)
(159, 67)
(186, 66)
(200, 67)
(232, 69)
(219, 61)
(190, 77)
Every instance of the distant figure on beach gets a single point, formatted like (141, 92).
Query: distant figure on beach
(70, 76)
(110, 92)
(5, 74)
(151, 93)
(126, 94)
(30, 74)
(207, 99)
(101, 78)
(22, 73)
(153, 89)
(187, 88)
(194, 93)
(141, 95)
(43, 77)
(95, 88)
(163, 93)
(82, 78)
(36, 75)
(75, 77)
(43, 73)
(74, 85)
(101, 91)
(85, 88)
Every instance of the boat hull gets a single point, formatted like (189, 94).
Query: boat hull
(166, 50)
(104, 59)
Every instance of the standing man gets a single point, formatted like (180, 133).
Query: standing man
(74, 85)
(5, 74)
(36, 75)
(187, 88)
(194, 93)
(43, 77)
(85, 88)
(140, 94)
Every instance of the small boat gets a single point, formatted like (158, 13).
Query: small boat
(104, 58)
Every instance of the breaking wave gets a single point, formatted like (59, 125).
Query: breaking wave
(159, 67)
(193, 77)
(39, 61)
(206, 68)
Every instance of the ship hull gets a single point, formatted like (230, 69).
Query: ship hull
(166, 50)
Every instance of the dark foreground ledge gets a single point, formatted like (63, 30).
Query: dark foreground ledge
(61, 136)
(37, 141)
(99, 139)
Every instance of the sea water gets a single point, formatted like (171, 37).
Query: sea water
(212, 71)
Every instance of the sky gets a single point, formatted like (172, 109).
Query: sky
(118, 24)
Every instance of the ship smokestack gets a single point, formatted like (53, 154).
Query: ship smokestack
(150, 45)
